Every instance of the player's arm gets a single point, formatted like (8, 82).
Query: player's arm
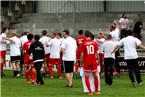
(142, 46)
(61, 51)
(81, 59)
(98, 58)
(30, 49)
(116, 47)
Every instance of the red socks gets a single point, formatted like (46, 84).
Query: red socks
(76, 67)
(88, 83)
(50, 70)
(96, 82)
(59, 70)
(1, 68)
(33, 75)
(27, 76)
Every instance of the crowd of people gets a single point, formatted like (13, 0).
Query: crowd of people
(95, 55)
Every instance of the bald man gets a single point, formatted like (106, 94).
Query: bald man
(15, 54)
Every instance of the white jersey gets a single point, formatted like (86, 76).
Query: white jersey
(70, 46)
(54, 45)
(108, 47)
(115, 35)
(23, 39)
(100, 45)
(124, 23)
(45, 40)
(130, 43)
(15, 47)
(3, 47)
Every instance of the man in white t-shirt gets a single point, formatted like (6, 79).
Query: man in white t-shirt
(130, 44)
(68, 49)
(124, 26)
(44, 39)
(54, 59)
(15, 54)
(100, 40)
(109, 59)
(3, 48)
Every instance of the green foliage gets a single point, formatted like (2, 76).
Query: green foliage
(56, 88)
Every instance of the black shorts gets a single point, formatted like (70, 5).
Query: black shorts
(15, 58)
(68, 66)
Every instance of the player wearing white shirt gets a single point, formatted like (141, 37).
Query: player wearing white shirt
(130, 44)
(15, 54)
(100, 40)
(109, 59)
(124, 25)
(68, 49)
(3, 48)
(23, 38)
(54, 59)
(44, 39)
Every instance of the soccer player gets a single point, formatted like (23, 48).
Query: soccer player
(23, 39)
(100, 40)
(28, 61)
(37, 50)
(44, 39)
(130, 44)
(79, 41)
(109, 59)
(15, 54)
(68, 51)
(89, 53)
(3, 48)
(54, 45)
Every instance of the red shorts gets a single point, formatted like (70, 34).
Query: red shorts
(46, 57)
(28, 62)
(2, 54)
(78, 55)
(53, 61)
(89, 68)
(101, 55)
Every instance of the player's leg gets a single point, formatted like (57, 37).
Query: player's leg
(33, 72)
(76, 69)
(101, 55)
(17, 67)
(39, 79)
(106, 70)
(27, 73)
(58, 68)
(111, 65)
(96, 78)
(131, 71)
(87, 81)
(2, 62)
(137, 71)
(50, 67)
(17, 62)
(68, 69)
(13, 68)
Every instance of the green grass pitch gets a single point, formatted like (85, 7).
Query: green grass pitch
(56, 88)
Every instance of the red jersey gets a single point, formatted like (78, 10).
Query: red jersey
(80, 40)
(25, 48)
(89, 48)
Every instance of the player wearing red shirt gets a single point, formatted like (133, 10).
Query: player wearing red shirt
(28, 60)
(89, 54)
(79, 41)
